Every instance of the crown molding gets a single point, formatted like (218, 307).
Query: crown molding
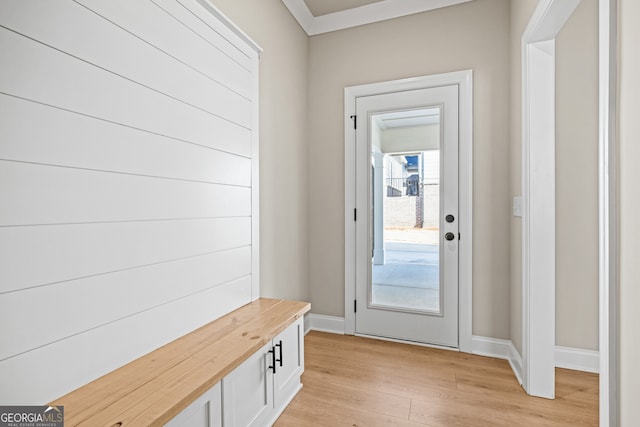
(367, 14)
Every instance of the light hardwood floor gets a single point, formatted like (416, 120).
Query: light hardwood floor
(359, 382)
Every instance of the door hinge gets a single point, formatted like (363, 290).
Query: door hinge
(355, 214)
(459, 236)
(355, 306)
(355, 121)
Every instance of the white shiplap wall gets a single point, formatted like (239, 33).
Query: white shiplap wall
(128, 183)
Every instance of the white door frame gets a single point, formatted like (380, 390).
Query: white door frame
(608, 213)
(547, 21)
(464, 79)
(538, 191)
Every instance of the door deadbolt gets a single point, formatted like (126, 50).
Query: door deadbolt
(450, 218)
(449, 236)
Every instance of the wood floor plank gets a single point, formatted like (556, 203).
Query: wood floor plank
(357, 382)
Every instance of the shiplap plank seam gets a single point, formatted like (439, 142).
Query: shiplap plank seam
(124, 221)
(130, 315)
(52, 165)
(230, 43)
(146, 331)
(169, 54)
(113, 122)
(105, 273)
(141, 84)
(103, 94)
(102, 198)
(133, 18)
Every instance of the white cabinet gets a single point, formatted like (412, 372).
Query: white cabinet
(206, 411)
(256, 392)
(290, 351)
(248, 396)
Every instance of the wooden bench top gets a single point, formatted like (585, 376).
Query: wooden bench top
(153, 389)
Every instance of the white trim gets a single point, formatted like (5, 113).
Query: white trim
(322, 323)
(608, 280)
(255, 143)
(567, 358)
(349, 206)
(367, 14)
(255, 184)
(538, 191)
(577, 359)
(418, 344)
(491, 347)
(515, 361)
(301, 12)
(306, 323)
(465, 197)
(499, 349)
(464, 79)
(212, 9)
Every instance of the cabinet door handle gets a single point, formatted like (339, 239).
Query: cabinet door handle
(279, 345)
(273, 359)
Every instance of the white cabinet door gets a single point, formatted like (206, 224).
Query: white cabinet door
(289, 346)
(256, 393)
(206, 411)
(248, 391)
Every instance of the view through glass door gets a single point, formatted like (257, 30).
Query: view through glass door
(405, 268)
(406, 273)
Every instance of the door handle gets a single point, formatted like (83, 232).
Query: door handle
(449, 236)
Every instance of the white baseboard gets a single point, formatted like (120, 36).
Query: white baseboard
(578, 359)
(515, 361)
(492, 347)
(500, 349)
(567, 358)
(322, 323)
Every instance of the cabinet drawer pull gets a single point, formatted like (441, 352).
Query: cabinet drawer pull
(279, 345)
(273, 359)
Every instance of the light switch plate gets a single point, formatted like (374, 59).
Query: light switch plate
(517, 206)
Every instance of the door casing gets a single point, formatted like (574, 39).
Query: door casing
(464, 80)
(538, 192)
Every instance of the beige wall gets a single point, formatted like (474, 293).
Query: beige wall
(284, 243)
(629, 233)
(577, 179)
(472, 35)
(302, 160)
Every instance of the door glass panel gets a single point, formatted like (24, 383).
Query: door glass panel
(405, 210)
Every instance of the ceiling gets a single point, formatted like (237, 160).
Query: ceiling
(323, 16)
(325, 7)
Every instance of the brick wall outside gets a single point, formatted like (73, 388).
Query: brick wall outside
(400, 212)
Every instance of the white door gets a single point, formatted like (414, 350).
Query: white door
(407, 215)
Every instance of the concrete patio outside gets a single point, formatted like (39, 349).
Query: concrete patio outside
(410, 276)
